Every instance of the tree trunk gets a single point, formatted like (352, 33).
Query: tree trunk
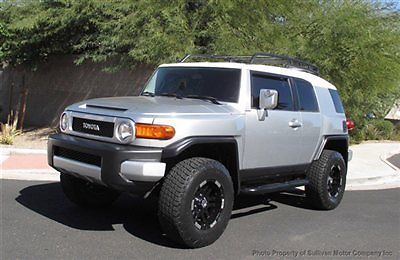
(10, 100)
(22, 109)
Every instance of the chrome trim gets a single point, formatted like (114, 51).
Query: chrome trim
(320, 149)
(61, 117)
(132, 125)
(143, 171)
(83, 169)
(115, 120)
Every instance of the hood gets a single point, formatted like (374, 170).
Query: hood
(143, 105)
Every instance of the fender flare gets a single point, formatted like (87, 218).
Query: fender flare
(179, 147)
(329, 138)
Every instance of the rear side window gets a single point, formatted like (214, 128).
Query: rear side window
(281, 85)
(336, 101)
(307, 100)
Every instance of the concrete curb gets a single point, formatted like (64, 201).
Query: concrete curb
(30, 175)
(373, 187)
(21, 151)
(381, 182)
(375, 183)
(374, 180)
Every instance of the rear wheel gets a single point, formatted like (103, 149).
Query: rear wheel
(196, 201)
(85, 193)
(327, 180)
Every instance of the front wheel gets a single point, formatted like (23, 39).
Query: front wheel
(196, 202)
(327, 180)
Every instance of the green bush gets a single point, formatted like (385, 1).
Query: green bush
(378, 129)
(396, 134)
(375, 129)
(356, 136)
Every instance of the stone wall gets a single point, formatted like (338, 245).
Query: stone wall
(58, 83)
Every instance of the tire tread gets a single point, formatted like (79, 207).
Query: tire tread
(171, 195)
(316, 176)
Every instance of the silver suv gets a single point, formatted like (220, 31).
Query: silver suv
(202, 133)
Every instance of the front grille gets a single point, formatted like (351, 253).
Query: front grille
(77, 156)
(93, 127)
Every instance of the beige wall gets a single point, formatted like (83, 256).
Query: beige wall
(59, 82)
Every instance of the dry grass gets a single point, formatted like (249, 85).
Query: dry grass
(9, 130)
(33, 138)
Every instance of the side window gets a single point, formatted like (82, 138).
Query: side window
(336, 101)
(307, 100)
(258, 82)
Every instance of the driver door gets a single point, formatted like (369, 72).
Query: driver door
(274, 142)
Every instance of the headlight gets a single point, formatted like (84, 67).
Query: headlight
(64, 122)
(125, 131)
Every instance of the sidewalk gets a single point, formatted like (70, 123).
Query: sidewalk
(26, 164)
(369, 168)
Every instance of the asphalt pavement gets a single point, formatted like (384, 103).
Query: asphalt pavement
(395, 160)
(38, 222)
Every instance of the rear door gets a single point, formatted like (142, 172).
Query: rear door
(310, 117)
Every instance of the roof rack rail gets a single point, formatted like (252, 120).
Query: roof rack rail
(229, 58)
(261, 58)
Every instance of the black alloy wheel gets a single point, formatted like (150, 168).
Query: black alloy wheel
(207, 204)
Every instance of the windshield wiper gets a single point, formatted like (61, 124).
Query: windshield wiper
(209, 98)
(147, 93)
(171, 95)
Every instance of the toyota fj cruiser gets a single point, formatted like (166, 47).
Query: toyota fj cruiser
(202, 133)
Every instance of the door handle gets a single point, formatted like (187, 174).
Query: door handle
(295, 123)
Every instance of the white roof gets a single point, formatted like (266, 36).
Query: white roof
(290, 72)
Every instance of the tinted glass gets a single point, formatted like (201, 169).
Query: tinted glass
(307, 99)
(259, 82)
(222, 84)
(336, 101)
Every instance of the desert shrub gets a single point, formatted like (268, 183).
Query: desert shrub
(9, 130)
(378, 129)
(396, 134)
(356, 136)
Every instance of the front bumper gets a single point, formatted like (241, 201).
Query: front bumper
(122, 167)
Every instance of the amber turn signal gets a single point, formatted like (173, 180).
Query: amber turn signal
(149, 131)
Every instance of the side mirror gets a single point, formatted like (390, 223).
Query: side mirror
(268, 99)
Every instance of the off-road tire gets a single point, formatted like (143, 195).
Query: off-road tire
(318, 190)
(87, 194)
(178, 194)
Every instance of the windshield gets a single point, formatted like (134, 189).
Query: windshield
(220, 83)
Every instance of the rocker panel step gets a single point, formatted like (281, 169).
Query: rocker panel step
(273, 187)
